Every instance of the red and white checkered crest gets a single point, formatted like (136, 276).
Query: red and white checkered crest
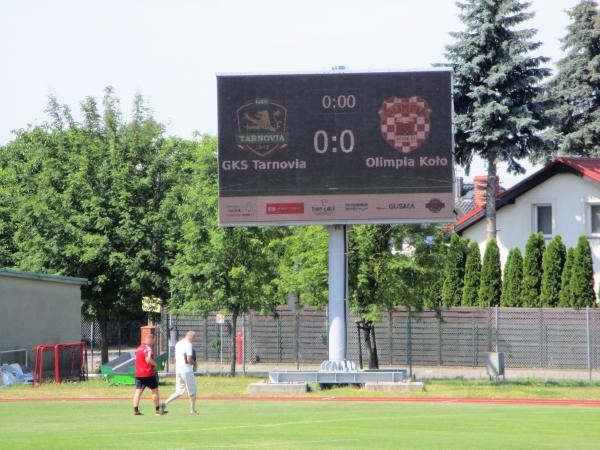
(405, 122)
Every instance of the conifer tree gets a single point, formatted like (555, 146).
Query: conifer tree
(581, 284)
(491, 276)
(531, 284)
(552, 267)
(574, 93)
(565, 281)
(497, 114)
(472, 276)
(511, 283)
(454, 271)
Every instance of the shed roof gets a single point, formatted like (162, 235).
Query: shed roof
(44, 277)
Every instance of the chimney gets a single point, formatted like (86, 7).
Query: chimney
(479, 188)
(458, 187)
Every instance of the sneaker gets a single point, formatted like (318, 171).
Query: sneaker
(161, 413)
(194, 413)
(163, 407)
(137, 413)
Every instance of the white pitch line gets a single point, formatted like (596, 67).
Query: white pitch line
(268, 444)
(283, 424)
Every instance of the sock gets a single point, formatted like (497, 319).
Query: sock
(135, 408)
(157, 407)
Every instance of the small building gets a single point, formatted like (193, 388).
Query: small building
(37, 309)
(563, 198)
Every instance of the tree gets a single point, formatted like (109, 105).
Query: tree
(88, 204)
(552, 267)
(391, 266)
(565, 289)
(511, 283)
(472, 276)
(491, 276)
(532, 271)
(497, 114)
(230, 270)
(581, 284)
(574, 93)
(454, 271)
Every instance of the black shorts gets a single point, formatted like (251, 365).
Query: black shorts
(146, 382)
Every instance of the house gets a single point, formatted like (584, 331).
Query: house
(37, 309)
(563, 198)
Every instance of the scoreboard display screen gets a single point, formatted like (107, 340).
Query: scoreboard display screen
(335, 148)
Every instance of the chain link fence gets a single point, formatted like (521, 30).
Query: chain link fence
(530, 338)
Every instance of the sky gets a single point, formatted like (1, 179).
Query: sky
(170, 51)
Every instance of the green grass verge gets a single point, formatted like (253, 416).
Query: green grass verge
(296, 425)
(217, 386)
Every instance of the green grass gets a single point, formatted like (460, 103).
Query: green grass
(218, 386)
(296, 425)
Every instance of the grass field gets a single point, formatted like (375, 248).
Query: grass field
(318, 424)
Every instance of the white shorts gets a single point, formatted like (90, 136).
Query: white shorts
(185, 381)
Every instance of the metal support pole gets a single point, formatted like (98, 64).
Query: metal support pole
(337, 293)
(244, 344)
(589, 342)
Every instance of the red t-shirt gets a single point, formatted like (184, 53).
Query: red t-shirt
(142, 368)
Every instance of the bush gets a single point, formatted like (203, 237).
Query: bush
(513, 275)
(565, 283)
(531, 284)
(491, 276)
(472, 276)
(553, 262)
(581, 284)
(454, 271)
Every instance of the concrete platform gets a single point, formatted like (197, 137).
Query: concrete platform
(277, 388)
(389, 387)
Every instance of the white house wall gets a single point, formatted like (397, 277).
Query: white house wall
(570, 197)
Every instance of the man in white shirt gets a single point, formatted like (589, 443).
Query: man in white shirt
(185, 363)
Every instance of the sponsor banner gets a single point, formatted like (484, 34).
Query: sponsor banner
(376, 208)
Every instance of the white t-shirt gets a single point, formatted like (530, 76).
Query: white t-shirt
(183, 348)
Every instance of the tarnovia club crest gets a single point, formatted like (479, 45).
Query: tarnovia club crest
(405, 122)
(261, 126)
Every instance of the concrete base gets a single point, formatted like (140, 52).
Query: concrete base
(387, 386)
(277, 388)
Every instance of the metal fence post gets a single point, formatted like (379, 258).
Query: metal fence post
(497, 330)
(297, 338)
(390, 331)
(244, 344)
(440, 343)
(589, 342)
(409, 342)
(474, 343)
(279, 350)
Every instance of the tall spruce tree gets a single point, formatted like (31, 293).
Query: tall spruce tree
(565, 280)
(574, 93)
(497, 114)
(454, 271)
(491, 276)
(581, 284)
(472, 276)
(532, 271)
(511, 283)
(552, 267)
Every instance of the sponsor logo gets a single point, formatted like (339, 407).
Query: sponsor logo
(285, 208)
(399, 205)
(261, 126)
(359, 206)
(435, 205)
(405, 122)
(244, 210)
(324, 209)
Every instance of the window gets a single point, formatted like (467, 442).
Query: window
(543, 219)
(595, 219)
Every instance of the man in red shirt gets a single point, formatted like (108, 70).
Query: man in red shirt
(146, 375)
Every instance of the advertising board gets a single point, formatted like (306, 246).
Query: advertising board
(335, 148)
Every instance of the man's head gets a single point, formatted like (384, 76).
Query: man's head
(149, 339)
(190, 335)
